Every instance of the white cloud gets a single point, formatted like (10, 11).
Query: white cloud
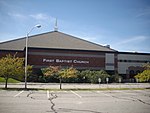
(17, 15)
(133, 39)
(40, 16)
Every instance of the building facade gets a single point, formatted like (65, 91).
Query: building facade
(130, 64)
(59, 49)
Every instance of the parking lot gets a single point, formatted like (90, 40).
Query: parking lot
(70, 101)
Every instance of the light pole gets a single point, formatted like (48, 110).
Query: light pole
(26, 56)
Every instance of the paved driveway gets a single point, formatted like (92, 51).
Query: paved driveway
(127, 101)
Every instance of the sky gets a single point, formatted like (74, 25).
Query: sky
(122, 24)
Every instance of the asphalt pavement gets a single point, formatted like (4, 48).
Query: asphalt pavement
(70, 101)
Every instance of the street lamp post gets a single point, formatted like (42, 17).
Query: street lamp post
(26, 56)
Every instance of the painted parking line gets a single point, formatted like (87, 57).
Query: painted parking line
(19, 93)
(65, 91)
(48, 94)
(76, 94)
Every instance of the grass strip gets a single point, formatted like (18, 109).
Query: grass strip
(10, 80)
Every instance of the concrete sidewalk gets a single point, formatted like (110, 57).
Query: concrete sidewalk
(76, 85)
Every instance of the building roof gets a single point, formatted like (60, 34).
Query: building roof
(53, 40)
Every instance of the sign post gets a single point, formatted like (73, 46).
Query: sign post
(119, 82)
(137, 81)
(107, 79)
(99, 81)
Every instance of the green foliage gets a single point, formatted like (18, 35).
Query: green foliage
(93, 76)
(81, 77)
(115, 78)
(103, 75)
(52, 74)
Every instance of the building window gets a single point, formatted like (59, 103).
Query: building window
(125, 60)
(131, 72)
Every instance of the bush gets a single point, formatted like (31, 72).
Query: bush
(32, 78)
(115, 78)
(93, 76)
(86, 76)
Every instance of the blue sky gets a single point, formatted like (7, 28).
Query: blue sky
(122, 24)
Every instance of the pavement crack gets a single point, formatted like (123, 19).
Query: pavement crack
(141, 101)
(29, 95)
(120, 97)
(53, 96)
(123, 98)
(132, 99)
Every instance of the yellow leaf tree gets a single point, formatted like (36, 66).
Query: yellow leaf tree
(60, 73)
(12, 67)
(145, 75)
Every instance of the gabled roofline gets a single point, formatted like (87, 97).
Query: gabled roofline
(86, 40)
(25, 37)
(61, 33)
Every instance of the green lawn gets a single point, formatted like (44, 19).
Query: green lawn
(10, 80)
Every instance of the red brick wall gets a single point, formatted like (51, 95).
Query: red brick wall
(37, 59)
(94, 59)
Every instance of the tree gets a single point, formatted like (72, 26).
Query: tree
(11, 66)
(59, 72)
(145, 75)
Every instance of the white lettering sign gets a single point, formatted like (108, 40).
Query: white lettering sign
(80, 62)
(65, 61)
(48, 60)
